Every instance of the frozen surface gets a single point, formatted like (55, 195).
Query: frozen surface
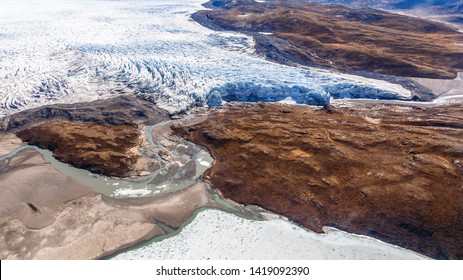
(68, 51)
(214, 234)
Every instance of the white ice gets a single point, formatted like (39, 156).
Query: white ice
(214, 234)
(56, 51)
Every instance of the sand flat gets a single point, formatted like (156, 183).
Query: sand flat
(47, 215)
(8, 143)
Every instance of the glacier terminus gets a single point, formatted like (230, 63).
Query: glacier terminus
(70, 51)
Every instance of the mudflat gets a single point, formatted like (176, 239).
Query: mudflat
(46, 215)
(8, 143)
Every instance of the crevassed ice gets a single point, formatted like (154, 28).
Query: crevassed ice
(68, 51)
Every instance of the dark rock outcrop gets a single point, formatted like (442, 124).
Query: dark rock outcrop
(123, 109)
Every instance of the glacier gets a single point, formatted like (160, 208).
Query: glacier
(65, 51)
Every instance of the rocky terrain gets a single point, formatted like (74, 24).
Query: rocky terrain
(102, 136)
(105, 149)
(338, 37)
(391, 172)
